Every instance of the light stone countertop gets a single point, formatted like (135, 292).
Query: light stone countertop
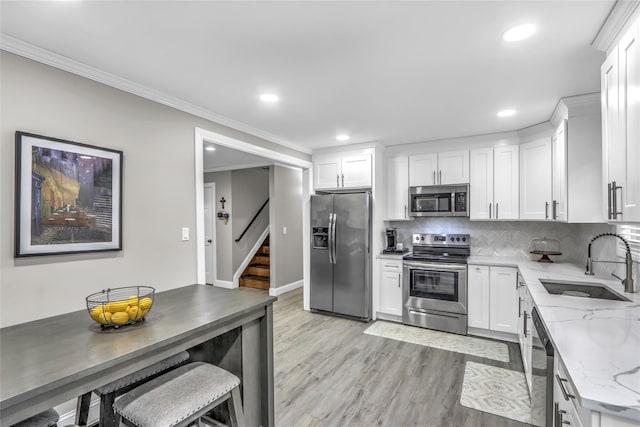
(397, 257)
(598, 340)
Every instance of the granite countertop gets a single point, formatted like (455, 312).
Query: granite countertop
(598, 340)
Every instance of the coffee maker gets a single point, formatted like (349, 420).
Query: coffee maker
(392, 239)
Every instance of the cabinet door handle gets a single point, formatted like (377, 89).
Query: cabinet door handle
(546, 210)
(519, 307)
(609, 201)
(561, 382)
(490, 210)
(405, 212)
(614, 191)
(497, 207)
(343, 180)
(434, 177)
(553, 210)
(338, 180)
(440, 177)
(526, 317)
(398, 279)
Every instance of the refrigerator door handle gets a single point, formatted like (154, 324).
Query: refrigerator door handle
(333, 239)
(330, 237)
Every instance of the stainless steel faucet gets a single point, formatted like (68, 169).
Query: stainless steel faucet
(627, 281)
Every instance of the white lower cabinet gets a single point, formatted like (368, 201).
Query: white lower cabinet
(493, 298)
(390, 287)
(525, 340)
(566, 409)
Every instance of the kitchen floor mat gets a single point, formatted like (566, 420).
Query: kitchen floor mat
(442, 340)
(501, 392)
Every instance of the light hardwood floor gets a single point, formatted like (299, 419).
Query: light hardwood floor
(329, 373)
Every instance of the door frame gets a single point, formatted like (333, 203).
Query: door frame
(200, 137)
(214, 232)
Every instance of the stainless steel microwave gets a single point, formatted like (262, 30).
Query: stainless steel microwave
(450, 200)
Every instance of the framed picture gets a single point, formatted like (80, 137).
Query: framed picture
(68, 197)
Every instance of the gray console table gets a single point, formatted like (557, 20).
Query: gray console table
(47, 362)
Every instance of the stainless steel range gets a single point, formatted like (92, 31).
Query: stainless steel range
(435, 282)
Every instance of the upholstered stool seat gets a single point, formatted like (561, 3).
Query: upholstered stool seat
(109, 392)
(48, 418)
(181, 396)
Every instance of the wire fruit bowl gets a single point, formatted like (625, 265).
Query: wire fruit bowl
(112, 308)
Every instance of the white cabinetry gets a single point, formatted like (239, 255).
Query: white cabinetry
(397, 188)
(535, 179)
(559, 173)
(342, 171)
(439, 168)
(525, 340)
(621, 127)
(566, 410)
(493, 298)
(503, 300)
(493, 178)
(391, 287)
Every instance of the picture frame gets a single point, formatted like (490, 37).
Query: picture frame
(68, 197)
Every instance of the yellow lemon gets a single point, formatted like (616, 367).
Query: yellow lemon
(145, 303)
(132, 300)
(119, 318)
(97, 311)
(117, 306)
(134, 313)
(104, 318)
(143, 313)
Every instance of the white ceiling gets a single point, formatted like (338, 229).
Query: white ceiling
(388, 71)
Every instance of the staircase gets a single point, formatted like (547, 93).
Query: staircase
(257, 274)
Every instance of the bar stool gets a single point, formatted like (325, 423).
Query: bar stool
(181, 396)
(48, 418)
(109, 392)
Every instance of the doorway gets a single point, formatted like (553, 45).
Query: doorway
(202, 137)
(210, 232)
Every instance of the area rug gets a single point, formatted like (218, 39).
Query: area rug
(501, 392)
(441, 340)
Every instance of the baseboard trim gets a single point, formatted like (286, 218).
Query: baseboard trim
(274, 292)
(486, 333)
(225, 284)
(389, 317)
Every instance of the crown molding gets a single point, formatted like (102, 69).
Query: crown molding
(577, 105)
(614, 23)
(27, 50)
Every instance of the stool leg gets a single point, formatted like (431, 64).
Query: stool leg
(107, 414)
(235, 408)
(82, 409)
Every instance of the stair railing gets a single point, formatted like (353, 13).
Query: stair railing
(252, 220)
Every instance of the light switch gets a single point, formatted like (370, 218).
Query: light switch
(185, 233)
(284, 230)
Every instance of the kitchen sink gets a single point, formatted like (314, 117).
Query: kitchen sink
(581, 289)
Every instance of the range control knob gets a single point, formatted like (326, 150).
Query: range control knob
(451, 239)
(464, 239)
(457, 239)
(422, 238)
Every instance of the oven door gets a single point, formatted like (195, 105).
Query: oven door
(435, 286)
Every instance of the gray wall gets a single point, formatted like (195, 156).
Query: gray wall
(158, 195)
(286, 211)
(249, 190)
(224, 232)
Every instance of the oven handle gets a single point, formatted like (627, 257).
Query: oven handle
(432, 266)
(440, 314)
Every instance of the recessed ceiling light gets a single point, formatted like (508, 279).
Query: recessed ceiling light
(342, 137)
(269, 97)
(519, 32)
(506, 113)
(210, 148)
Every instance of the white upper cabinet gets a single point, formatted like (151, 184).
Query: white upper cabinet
(342, 171)
(397, 188)
(621, 127)
(535, 179)
(559, 173)
(439, 169)
(493, 178)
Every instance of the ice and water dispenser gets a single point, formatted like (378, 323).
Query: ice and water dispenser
(320, 237)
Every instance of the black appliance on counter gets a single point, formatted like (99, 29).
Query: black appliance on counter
(435, 282)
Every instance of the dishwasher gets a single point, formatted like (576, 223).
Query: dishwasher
(542, 354)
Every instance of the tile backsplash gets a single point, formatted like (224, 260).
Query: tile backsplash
(514, 238)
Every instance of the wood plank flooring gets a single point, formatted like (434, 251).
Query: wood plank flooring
(329, 373)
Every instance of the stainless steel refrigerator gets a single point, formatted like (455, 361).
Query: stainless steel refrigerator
(341, 254)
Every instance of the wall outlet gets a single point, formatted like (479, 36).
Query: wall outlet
(284, 230)
(185, 234)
